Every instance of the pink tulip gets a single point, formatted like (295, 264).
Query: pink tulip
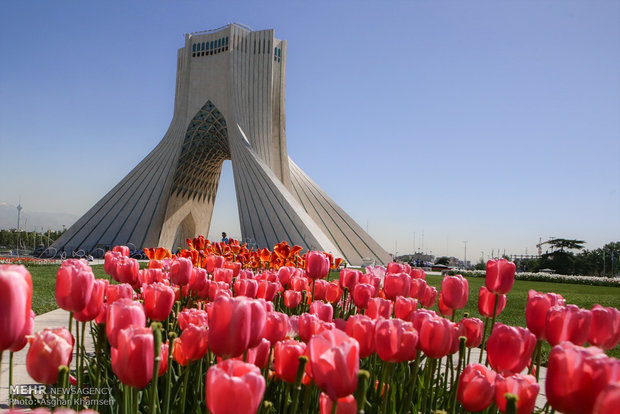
(435, 336)
(324, 311)
(455, 290)
(267, 290)
(49, 349)
(404, 307)
(362, 328)
(123, 250)
(292, 298)
(476, 389)
(15, 304)
(333, 293)
(122, 314)
(394, 267)
(132, 360)
(181, 271)
(214, 262)
(198, 279)
(127, 271)
(194, 316)
(223, 275)
(417, 274)
(246, 287)
(567, 323)
(417, 288)
(472, 330)
(158, 301)
(286, 358)
(191, 345)
(536, 310)
(608, 400)
(605, 327)
(148, 276)
(116, 292)
(346, 405)
(241, 385)
(378, 307)
(234, 266)
(500, 275)
(230, 326)
(362, 293)
(486, 302)
(95, 304)
(334, 362)
(430, 294)
(109, 265)
(443, 309)
(317, 265)
(395, 340)
(74, 285)
(523, 386)
(510, 348)
(396, 284)
(276, 326)
(349, 278)
(310, 325)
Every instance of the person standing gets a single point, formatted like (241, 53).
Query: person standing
(224, 238)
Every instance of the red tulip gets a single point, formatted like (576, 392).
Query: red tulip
(181, 271)
(292, 298)
(49, 349)
(472, 330)
(334, 362)
(122, 314)
(349, 278)
(333, 293)
(536, 310)
(323, 310)
(234, 387)
(191, 345)
(223, 275)
(396, 284)
(435, 337)
(523, 386)
(123, 250)
(95, 304)
(476, 388)
(443, 309)
(486, 302)
(362, 328)
(395, 340)
(132, 360)
(158, 301)
(230, 326)
(310, 325)
(576, 376)
(116, 292)
(455, 290)
(567, 323)
(605, 327)
(26, 333)
(362, 293)
(194, 316)
(286, 362)
(163, 363)
(74, 285)
(276, 326)
(608, 400)
(198, 279)
(346, 405)
(378, 307)
(500, 275)
(317, 265)
(15, 304)
(246, 287)
(214, 262)
(510, 348)
(404, 307)
(417, 288)
(127, 270)
(430, 294)
(148, 276)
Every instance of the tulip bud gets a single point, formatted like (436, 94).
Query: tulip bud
(181, 271)
(122, 314)
(362, 328)
(567, 323)
(158, 301)
(132, 360)
(605, 327)
(286, 358)
(234, 378)
(15, 304)
(500, 275)
(317, 265)
(74, 285)
(486, 302)
(455, 290)
(395, 340)
(523, 386)
(49, 349)
(95, 304)
(510, 348)
(476, 388)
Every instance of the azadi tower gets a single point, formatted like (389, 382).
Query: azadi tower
(229, 105)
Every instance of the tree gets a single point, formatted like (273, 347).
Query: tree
(569, 244)
(443, 260)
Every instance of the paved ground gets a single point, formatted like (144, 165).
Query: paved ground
(54, 319)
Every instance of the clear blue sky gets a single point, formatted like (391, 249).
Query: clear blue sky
(486, 121)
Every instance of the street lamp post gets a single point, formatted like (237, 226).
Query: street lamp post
(465, 261)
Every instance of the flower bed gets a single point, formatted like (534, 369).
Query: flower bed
(222, 328)
(549, 277)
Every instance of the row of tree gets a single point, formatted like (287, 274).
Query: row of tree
(27, 240)
(568, 257)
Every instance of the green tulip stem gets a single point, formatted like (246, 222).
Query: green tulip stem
(184, 389)
(334, 406)
(313, 285)
(486, 361)
(166, 409)
(136, 399)
(82, 354)
(10, 378)
(459, 367)
(156, 327)
(484, 337)
(411, 384)
(303, 360)
(538, 357)
(362, 388)
(511, 403)
(70, 321)
(77, 354)
(388, 393)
